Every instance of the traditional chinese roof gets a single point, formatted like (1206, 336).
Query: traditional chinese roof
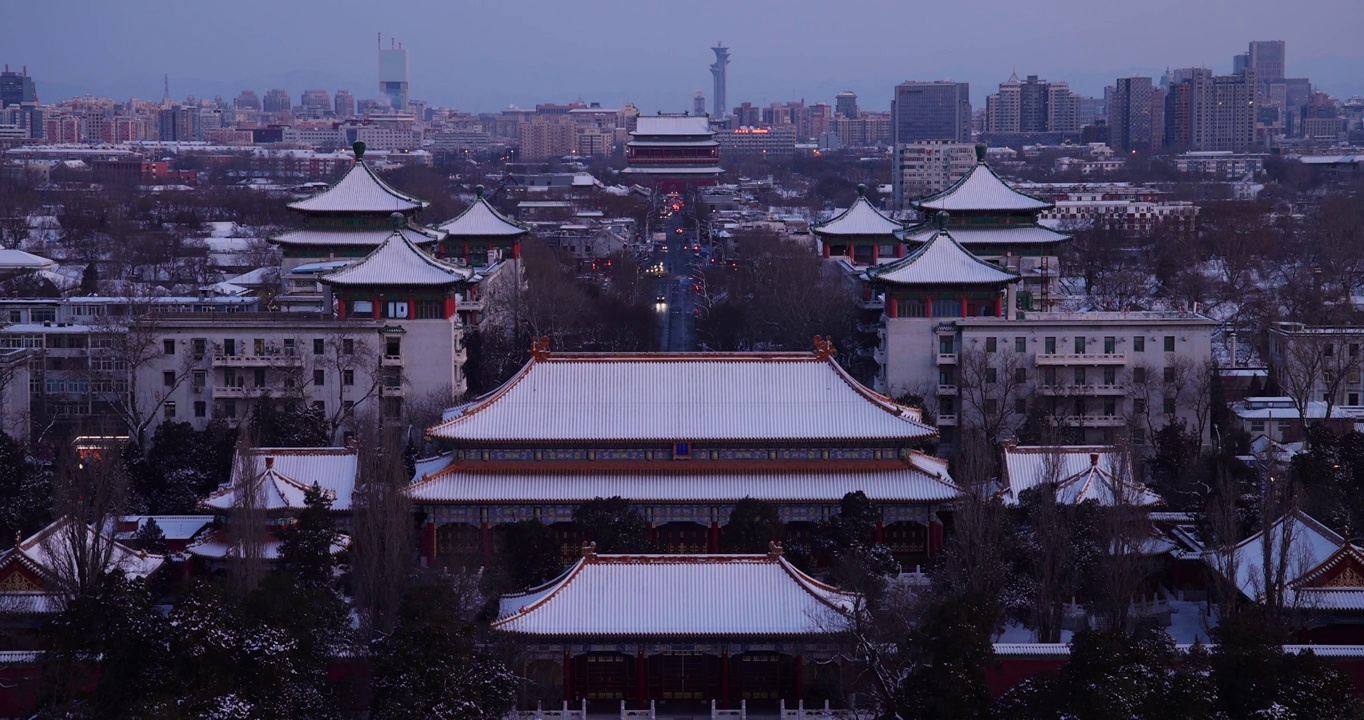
(286, 474)
(1025, 235)
(482, 220)
(565, 397)
(398, 261)
(27, 568)
(859, 219)
(916, 478)
(368, 237)
(676, 595)
(980, 190)
(940, 261)
(1306, 550)
(1079, 472)
(359, 191)
(222, 546)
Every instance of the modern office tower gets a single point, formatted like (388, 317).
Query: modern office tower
(1129, 114)
(1266, 58)
(316, 102)
(1032, 106)
(1240, 62)
(1001, 109)
(698, 103)
(1063, 108)
(248, 100)
(939, 110)
(277, 101)
(718, 78)
(1321, 119)
(747, 115)
(17, 88)
(344, 104)
(393, 75)
(176, 123)
(845, 104)
(1210, 112)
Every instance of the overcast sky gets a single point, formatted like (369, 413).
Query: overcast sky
(487, 55)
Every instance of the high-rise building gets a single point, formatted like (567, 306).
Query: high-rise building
(1321, 119)
(1129, 114)
(1002, 112)
(845, 104)
(316, 103)
(1032, 106)
(277, 101)
(344, 104)
(1240, 62)
(248, 100)
(546, 138)
(939, 110)
(719, 79)
(927, 168)
(176, 123)
(698, 103)
(1063, 108)
(393, 75)
(1266, 58)
(747, 115)
(1203, 111)
(17, 88)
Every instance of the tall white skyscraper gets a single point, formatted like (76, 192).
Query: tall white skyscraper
(393, 75)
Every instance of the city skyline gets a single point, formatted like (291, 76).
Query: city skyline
(522, 58)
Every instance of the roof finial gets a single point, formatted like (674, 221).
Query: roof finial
(861, 190)
(590, 550)
(359, 149)
(478, 190)
(539, 348)
(942, 218)
(824, 347)
(774, 550)
(396, 219)
(980, 152)
(1094, 459)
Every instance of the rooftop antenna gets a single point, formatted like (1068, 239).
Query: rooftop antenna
(165, 87)
(379, 40)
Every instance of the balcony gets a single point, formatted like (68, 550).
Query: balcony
(232, 392)
(266, 360)
(1082, 358)
(391, 361)
(947, 420)
(395, 391)
(1072, 390)
(874, 304)
(879, 355)
(947, 358)
(1090, 420)
(947, 389)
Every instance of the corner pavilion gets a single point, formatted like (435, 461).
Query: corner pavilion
(683, 437)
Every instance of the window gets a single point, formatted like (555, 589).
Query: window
(947, 407)
(1020, 375)
(347, 406)
(1020, 344)
(946, 377)
(168, 410)
(320, 406)
(1079, 376)
(1329, 350)
(1139, 436)
(290, 380)
(393, 347)
(230, 408)
(200, 347)
(945, 345)
(1169, 374)
(1354, 349)
(991, 406)
(319, 377)
(259, 377)
(167, 347)
(348, 347)
(1138, 375)
(1110, 406)
(1139, 405)
(1020, 407)
(1110, 345)
(229, 347)
(991, 345)
(429, 310)
(200, 409)
(1257, 425)
(288, 346)
(1049, 345)
(347, 377)
(200, 379)
(1049, 376)
(1110, 376)
(168, 378)
(319, 346)
(991, 376)
(1079, 346)
(1352, 399)
(1139, 343)
(1169, 343)
(362, 307)
(1169, 406)
(911, 308)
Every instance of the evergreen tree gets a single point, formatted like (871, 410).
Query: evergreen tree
(90, 279)
(25, 493)
(752, 525)
(1255, 678)
(150, 538)
(530, 555)
(950, 649)
(290, 423)
(431, 666)
(613, 524)
(303, 596)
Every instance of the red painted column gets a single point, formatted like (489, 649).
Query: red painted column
(713, 538)
(875, 253)
(449, 307)
(880, 532)
(899, 249)
(826, 250)
(340, 308)
(376, 307)
(999, 307)
(411, 307)
(934, 537)
(641, 674)
(963, 306)
(724, 678)
(929, 303)
(516, 251)
(568, 676)
(429, 542)
(800, 677)
(891, 310)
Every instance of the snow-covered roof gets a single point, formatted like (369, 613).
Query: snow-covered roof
(287, 474)
(916, 478)
(940, 261)
(1080, 473)
(980, 190)
(173, 527)
(859, 219)
(678, 170)
(49, 554)
(683, 396)
(672, 125)
(398, 261)
(11, 259)
(1002, 235)
(369, 237)
(221, 545)
(359, 191)
(481, 219)
(1308, 545)
(676, 595)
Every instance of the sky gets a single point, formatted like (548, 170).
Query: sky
(484, 56)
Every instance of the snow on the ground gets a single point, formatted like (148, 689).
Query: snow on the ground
(1187, 622)
(1014, 633)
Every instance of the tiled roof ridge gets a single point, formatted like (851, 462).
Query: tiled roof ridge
(479, 404)
(809, 584)
(562, 581)
(879, 271)
(396, 236)
(363, 166)
(1301, 517)
(481, 200)
(1335, 558)
(954, 187)
(301, 451)
(670, 468)
(861, 200)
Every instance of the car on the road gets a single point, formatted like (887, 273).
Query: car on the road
(661, 300)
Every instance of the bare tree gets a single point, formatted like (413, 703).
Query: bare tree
(1126, 535)
(248, 521)
(383, 525)
(89, 491)
(121, 348)
(991, 384)
(1298, 368)
(972, 558)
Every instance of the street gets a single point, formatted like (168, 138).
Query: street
(677, 329)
